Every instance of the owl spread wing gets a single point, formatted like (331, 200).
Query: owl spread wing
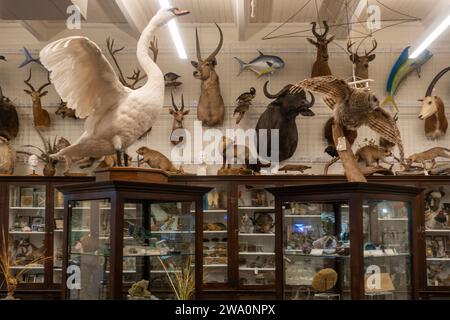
(382, 123)
(336, 90)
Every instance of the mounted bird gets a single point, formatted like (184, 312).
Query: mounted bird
(244, 102)
(116, 115)
(353, 107)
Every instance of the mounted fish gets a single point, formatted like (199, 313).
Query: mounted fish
(29, 59)
(9, 120)
(433, 111)
(171, 80)
(262, 65)
(401, 69)
(244, 103)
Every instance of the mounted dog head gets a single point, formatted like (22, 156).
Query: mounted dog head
(204, 67)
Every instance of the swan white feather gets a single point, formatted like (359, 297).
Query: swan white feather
(116, 115)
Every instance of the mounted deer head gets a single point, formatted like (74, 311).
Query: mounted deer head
(178, 117)
(41, 117)
(211, 108)
(433, 110)
(361, 62)
(321, 67)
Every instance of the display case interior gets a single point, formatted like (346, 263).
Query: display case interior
(316, 250)
(437, 237)
(256, 241)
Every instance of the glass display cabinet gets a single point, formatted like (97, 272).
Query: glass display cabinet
(132, 240)
(348, 241)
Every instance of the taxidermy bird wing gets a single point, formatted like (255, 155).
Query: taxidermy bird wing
(82, 76)
(335, 90)
(382, 123)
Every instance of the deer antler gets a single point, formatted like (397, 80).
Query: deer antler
(154, 48)
(27, 82)
(182, 103)
(327, 28)
(349, 46)
(173, 103)
(374, 46)
(113, 52)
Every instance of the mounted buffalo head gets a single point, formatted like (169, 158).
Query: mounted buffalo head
(281, 114)
(291, 105)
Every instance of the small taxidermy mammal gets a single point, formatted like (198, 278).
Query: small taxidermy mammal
(372, 153)
(294, 167)
(430, 154)
(157, 160)
(262, 65)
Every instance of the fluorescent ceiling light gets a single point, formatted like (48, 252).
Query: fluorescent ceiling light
(431, 37)
(174, 32)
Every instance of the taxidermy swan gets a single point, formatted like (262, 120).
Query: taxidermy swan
(116, 116)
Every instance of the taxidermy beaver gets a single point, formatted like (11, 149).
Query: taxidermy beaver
(9, 120)
(157, 160)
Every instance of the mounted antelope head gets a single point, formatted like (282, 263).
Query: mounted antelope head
(41, 118)
(178, 117)
(321, 67)
(211, 108)
(433, 111)
(361, 63)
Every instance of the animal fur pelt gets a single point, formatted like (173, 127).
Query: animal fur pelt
(7, 157)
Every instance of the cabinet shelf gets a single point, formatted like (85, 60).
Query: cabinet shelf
(438, 259)
(257, 234)
(215, 265)
(257, 253)
(212, 211)
(302, 216)
(27, 232)
(392, 219)
(256, 208)
(437, 230)
(27, 208)
(255, 269)
(28, 268)
(219, 231)
(172, 231)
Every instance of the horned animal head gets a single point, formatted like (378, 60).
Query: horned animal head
(361, 62)
(37, 94)
(321, 42)
(178, 114)
(205, 67)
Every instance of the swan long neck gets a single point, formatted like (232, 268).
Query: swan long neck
(148, 65)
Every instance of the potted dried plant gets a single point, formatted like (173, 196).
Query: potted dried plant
(10, 279)
(183, 281)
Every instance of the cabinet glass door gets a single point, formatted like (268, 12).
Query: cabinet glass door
(159, 251)
(437, 237)
(27, 232)
(256, 241)
(215, 240)
(387, 249)
(89, 249)
(58, 235)
(316, 251)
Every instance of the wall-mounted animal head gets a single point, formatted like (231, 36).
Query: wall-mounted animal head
(433, 110)
(178, 118)
(206, 67)
(291, 105)
(9, 120)
(361, 62)
(320, 67)
(211, 108)
(40, 116)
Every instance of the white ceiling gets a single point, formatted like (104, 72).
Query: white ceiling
(136, 13)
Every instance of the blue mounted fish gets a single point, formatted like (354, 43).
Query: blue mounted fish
(262, 65)
(401, 69)
(29, 58)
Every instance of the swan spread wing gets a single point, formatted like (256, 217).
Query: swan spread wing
(82, 75)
